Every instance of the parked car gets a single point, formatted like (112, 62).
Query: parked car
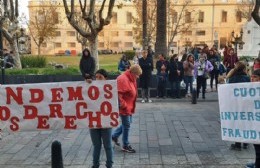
(107, 51)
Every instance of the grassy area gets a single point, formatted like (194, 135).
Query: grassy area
(108, 62)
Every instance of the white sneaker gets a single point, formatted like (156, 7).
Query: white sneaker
(150, 101)
(143, 101)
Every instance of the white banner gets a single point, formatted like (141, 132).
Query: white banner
(239, 106)
(63, 105)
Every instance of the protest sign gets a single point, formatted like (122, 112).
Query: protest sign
(239, 106)
(63, 105)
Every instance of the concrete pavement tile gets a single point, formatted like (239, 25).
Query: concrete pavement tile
(182, 159)
(167, 150)
(153, 144)
(200, 147)
(165, 141)
(193, 158)
(195, 137)
(169, 159)
(155, 159)
(154, 151)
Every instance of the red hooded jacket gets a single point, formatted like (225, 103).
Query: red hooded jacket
(127, 93)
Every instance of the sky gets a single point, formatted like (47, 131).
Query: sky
(23, 8)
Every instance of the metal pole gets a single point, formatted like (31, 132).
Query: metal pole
(213, 16)
(2, 57)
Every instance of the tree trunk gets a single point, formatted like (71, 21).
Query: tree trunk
(144, 16)
(16, 55)
(39, 50)
(161, 43)
(94, 49)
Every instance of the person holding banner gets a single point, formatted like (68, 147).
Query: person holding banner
(127, 94)
(238, 75)
(99, 135)
(255, 77)
(87, 65)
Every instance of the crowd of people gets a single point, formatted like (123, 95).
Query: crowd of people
(199, 64)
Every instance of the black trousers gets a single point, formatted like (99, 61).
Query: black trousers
(214, 75)
(201, 82)
(257, 155)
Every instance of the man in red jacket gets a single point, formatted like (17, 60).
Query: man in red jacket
(127, 93)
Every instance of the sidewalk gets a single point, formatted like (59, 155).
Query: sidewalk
(168, 133)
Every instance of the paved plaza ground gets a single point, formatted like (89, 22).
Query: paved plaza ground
(167, 133)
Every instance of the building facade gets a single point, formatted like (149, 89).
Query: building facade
(211, 22)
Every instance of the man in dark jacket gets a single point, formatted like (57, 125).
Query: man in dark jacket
(87, 65)
(146, 63)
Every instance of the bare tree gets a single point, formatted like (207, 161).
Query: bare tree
(244, 9)
(80, 21)
(176, 21)
(10, 26)
(92, 20)
(151, 22)
(44, 23)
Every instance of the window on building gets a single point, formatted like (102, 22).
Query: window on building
(174, 16)
(187, 33)
(201, 17)
(239, 16)
(224, 16)
(71, 44)
(187, 17)
(101, 44)
(222, 42)
(128, 44)
(114, 33)
(55, 17)
(115, 44)
(201, 33)
(57, 45)
(128, 33)
(57, 33)
(71, 33)
(114, 18)
(44, 45)
(128, 18)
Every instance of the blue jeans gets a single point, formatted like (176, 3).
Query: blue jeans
(175, 89)
(188, 80)
(124, 129)
(97, 136)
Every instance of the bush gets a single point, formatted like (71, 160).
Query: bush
(129, 54)
(33, 61)
(43, 71)
(66, 71)
(26, 71)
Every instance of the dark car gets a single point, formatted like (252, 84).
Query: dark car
(105, 51)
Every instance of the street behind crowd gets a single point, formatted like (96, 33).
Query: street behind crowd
(168, 133)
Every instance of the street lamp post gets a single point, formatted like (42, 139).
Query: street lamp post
(237, 40)
(2, 57)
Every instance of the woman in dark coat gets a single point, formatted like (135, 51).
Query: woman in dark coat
(146, 63)
(175, 69)
(87, 65)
